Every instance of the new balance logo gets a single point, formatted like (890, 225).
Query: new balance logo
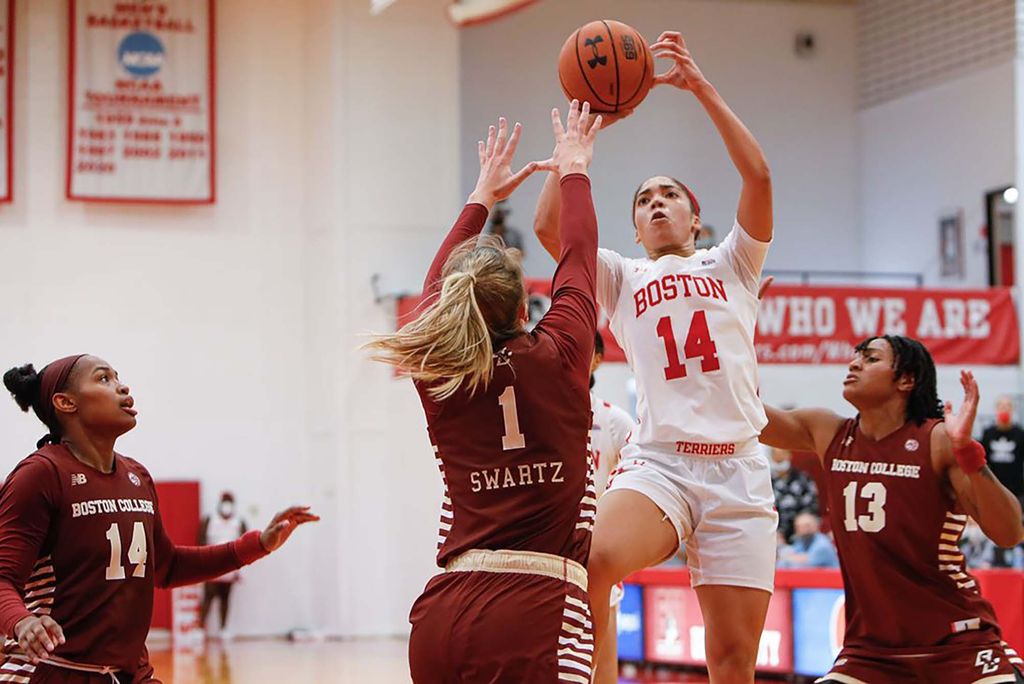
(78, 479)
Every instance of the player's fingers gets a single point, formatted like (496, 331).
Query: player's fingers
(584, 117)
(574, 116)
(595, 126)
(54, 629)
(502, 139)
(556, 123)
(519, 176)
(513, 142)
(489, 150)
(546, 165)
(480, 151)
(39, 632)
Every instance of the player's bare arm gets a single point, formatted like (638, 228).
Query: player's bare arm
(961, 460)
(754, 212)
(808, 429)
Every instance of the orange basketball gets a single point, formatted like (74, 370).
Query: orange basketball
(607, 64)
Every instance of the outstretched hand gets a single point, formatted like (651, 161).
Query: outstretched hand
(497, 181)
(959, 425)
(283, 524)
(684, 73)
(574, 142)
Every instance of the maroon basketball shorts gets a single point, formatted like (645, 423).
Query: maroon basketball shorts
(994, 663)
(503, 617)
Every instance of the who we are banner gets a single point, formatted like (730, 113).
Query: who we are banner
(799, 324)
(141, 101)
(822, 325)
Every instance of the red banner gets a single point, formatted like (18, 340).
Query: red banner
(821, 325)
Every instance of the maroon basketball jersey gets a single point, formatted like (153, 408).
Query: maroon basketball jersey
(95, 567)
(896, 526)
(515, 457)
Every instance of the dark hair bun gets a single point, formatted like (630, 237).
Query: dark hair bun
(24, 384)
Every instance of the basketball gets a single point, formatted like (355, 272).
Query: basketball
(607, 64)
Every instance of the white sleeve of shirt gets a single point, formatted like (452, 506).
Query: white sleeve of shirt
(610, 269)
(746, 255)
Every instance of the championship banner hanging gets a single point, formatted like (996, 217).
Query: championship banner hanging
(141, 101)
(821, 325)
(7, 101)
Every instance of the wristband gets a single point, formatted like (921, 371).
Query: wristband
(971, 457)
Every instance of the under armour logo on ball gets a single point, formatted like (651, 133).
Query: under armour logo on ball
(597, 58)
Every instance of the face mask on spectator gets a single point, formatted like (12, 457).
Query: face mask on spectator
(780, 467)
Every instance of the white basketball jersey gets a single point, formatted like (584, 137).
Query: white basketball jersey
(687, 328)
(609, 433)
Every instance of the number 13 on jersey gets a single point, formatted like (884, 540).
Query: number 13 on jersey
(698, 344)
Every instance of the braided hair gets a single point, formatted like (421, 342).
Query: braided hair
(911, 358)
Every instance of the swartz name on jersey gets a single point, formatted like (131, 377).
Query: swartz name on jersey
(520, 476)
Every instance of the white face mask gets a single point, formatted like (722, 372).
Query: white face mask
(780, 467)
(227, 509)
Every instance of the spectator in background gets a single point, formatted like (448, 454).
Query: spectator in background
(224, 524)
(795, 491)
(511, 236)
(1004, 450)
(809, 548)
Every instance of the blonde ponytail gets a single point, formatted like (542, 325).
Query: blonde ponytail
(450, 345)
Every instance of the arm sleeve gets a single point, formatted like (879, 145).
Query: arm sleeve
(26, 503)
(470, 223)
(177, 566)
(572, 318)
(745, 255)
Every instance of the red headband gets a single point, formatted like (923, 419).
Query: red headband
(693, 200)
(51, 380)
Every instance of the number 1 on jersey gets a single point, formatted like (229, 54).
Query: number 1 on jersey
(513, 438)
(698, 345)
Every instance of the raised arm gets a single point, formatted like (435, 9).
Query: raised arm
(545, 218)
(572, 318)
(809, 429)
(962, 459)
(181, 565)
(754, 212)
(495, 183)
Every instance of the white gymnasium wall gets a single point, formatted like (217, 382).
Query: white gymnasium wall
(929, 152)
(196, 307)
(802, 111)
(389, 195)
(236, 324)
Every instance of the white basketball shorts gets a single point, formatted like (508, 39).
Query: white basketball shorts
(722, 508)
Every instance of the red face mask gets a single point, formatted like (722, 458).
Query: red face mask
(1003, 417)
